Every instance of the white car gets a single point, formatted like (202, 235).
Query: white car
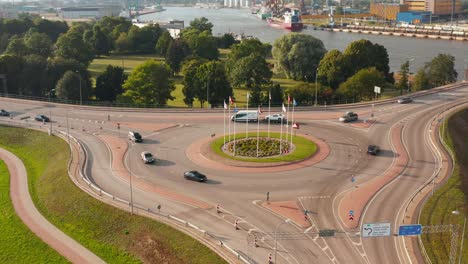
(147, 157)
(275, 118)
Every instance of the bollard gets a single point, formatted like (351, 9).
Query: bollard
(218, 210)
(236, 224)
(255, 242)
(221, 243)
(270, 259)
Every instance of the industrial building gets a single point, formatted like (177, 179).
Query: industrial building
(436, 7)
(414, 17)
(237, 3)
(89, 12)
(387, 11)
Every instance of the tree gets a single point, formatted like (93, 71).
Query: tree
(33, 75)
(38, 44)
(331, 69)
(214, 83)
(150, 83)
(226, 41)
(53, 29)
(201, 24)
(11, 65)
(16, 47)
(100, 42)
(71, 46)
(441, 70)
(304, 93)
(201, 43)
(144, 39)
(276, 95)
(123, 43)
(252, 72)
(109, 83)
(248, 47)
(403, 82)
(361, 85)
(421, 80)
(362, 54)
(71, 86)
(56, 68)
(192, 85)
(298, 55)
(176, 53)
(163, 43)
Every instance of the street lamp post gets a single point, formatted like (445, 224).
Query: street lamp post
(316, 86)
(81, 98)
(463, 235)
(409, 74)
(50, 111)
(276, 230)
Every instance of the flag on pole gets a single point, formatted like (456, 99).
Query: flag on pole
(247, 119)
(296, 125)
(235, 111)
(269, 96)
(284, 108)
(269, 113)
(294, 102)
(224, 122)
(258, 127)
(289, 99)
(231, 101)
(260, 111)
(229, 114)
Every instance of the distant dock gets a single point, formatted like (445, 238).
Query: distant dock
(412, 32)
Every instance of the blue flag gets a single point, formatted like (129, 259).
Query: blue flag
(235, 109)
(294, 102)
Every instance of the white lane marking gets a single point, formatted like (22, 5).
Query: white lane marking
(308, 229)
(314, 197)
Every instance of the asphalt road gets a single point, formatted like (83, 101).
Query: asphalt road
(317, 188)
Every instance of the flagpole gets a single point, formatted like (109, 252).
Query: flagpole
(235, 106)
(224, 123)
(281, 134)
(247, 119)
(287, 120)
(269, 113)
(292, 122)
(258, 128)
(229, 113)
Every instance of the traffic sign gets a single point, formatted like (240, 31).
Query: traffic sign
(376, 230)
(409, 230)
(351, 217)
(351, 212)
(353, 179)
(377, 89)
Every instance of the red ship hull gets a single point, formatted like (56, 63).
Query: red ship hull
(288, 26)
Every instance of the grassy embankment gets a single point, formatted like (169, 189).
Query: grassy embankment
(450, 197)
(304, 148)
(18, 244)
(111, 233)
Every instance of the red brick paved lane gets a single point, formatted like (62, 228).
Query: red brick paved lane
(32, 218)
(144, 126)
(288, 209)
(362, 124)
(357, 199)
(118, 147)
(201, 154)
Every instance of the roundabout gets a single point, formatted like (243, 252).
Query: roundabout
(264, 148)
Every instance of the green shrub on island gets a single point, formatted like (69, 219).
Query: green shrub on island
(266, 147)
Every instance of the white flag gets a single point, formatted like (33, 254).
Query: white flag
(284, 108)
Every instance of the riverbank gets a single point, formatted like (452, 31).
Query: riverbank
(403, 32)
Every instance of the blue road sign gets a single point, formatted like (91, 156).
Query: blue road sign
(353, 179)
(351, 212)
(410, 230)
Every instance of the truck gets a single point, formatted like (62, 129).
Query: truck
(245, 116)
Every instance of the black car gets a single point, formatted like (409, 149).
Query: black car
(4, 113)
(42, 118)
(373, 150)
(135, 136)
(405, 100)
(194, 176)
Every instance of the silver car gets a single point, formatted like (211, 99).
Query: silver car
(147, 157)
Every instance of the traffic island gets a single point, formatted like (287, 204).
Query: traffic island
(288, 210)
(208, 153)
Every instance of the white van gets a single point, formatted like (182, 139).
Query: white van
(245, 116)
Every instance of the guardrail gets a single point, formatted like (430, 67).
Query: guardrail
(322, 105)
(99, 193)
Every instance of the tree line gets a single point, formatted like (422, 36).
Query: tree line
(40, 56)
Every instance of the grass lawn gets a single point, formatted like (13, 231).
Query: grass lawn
(18, 244)
(110, 233)
(450, 197)
(304, 148)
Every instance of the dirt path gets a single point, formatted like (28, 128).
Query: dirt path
(29, 214)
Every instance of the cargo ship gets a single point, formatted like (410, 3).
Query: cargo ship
(264, 13)
(292, 21)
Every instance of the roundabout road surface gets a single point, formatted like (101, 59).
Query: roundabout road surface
(318, 188)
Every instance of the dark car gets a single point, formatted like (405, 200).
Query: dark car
(42, 118)
(4, 113)
(373, 150)
(194, 176)
(135, 136)
(405, 100)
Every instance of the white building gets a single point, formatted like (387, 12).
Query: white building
(237, 3)
(89, 12)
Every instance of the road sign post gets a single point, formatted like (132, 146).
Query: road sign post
(376, 230)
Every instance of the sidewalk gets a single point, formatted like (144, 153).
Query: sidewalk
(29, 214)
